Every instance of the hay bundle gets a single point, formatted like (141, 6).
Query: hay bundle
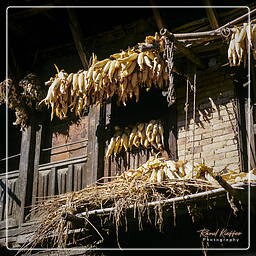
(134, 189)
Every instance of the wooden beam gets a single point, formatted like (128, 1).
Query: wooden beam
(26, 168)
(211, 14)
(38, 141)
(77, 36)
(182, 48)
(93, 145)
(158, 19)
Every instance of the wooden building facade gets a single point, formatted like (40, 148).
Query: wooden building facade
(61, 156)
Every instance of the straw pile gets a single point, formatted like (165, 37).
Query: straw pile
(155, 180)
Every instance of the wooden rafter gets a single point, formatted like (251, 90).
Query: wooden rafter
(77, 36)
(211, 14)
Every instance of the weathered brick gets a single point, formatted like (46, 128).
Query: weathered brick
(195, 138)
(226, 161)
(232, 153)
(223, 137)
(215, 156)
(217, 133)
(206, 141)
(230, 130)
(231, 142)
(207, 135)
(212, 146)
(207, 153)
(226, 149)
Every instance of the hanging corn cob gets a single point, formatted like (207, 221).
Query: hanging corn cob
(123, 74)
(143, 135)
(241, 39)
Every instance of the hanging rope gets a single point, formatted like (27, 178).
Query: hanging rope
(194, 119)
(186, 118)
(168, 55)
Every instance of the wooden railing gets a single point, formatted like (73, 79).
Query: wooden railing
(9, 203)
(59, 177)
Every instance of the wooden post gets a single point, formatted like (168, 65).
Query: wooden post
(93, 146)
(38, 142)
(26, 168)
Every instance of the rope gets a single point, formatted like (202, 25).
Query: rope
(186, 119)
(194, 118)
(168, 55)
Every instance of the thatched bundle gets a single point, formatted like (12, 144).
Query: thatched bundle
(134, 189)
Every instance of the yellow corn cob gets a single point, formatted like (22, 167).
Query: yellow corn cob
(132, 135)
(147, 61)
(101, 63)
(131, 57)
(160, 176)
(81, 82)
(140, 60)
(125, 141)
(151, 55)
(130, 69)
(111, 70)
(111, 147)
(153, 176)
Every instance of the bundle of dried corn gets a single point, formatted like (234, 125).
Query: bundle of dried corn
(143, 135)
(157, 179)
(159, 170)
(123, 74)
(23, 98)
(242, 38)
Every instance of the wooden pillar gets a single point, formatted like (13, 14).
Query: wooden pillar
(25, 179)
(38, 143)
(93, 145)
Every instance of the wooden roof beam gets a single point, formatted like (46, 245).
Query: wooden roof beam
(77, 36)
(211, 14)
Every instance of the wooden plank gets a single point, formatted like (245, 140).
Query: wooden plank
(92, 165)
(80, 177)
(38, 141)
(70, 178)
(10, 206)
(83, 170)
(2, 200)
(40, 187)
(63, 163)
(26, 167)
(45, 186)
(75, 178)
(52, 188)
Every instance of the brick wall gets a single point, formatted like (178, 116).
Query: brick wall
(215, 133)
(64, 134)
